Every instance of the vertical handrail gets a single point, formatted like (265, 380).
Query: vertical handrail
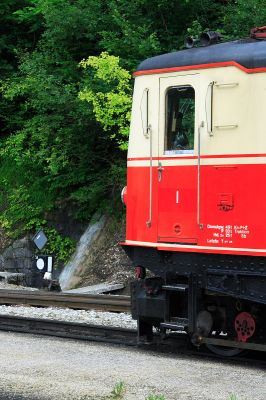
(211, 132)
(148, 135)
(149, 222)
(199, 177)
(145, 124)
(209, 128)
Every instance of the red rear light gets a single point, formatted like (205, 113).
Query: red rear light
(124, 195)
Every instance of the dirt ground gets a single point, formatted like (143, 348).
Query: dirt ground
(42, 368)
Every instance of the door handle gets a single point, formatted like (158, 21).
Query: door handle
(160, 170)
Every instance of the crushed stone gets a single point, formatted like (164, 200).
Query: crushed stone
(4, 285)
(92, 317)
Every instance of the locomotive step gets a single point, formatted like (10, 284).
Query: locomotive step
(180, 324)
(180, 287)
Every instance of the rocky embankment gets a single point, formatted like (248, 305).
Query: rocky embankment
(98, 259)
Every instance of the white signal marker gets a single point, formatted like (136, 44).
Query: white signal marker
(50, 264)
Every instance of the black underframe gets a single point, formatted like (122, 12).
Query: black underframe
(235, 276)
(242, 277)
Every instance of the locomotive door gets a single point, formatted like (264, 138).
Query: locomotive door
(178, 165)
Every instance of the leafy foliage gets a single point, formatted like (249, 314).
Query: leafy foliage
(55, 136)
(241, 16)
(59, 246)
(232, 397)
(109, 91)
(118, 391)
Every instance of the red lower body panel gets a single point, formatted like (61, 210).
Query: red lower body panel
(224, 209)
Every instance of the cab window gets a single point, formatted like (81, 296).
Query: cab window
(180, 120)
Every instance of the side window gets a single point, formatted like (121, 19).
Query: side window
(180, 120)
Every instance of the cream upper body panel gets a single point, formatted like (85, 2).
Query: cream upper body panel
(230, 107)
(139, 140)
(238, 117)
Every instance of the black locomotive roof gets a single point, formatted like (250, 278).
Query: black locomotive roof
(249, 53)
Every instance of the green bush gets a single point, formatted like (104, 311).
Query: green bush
(59, 246)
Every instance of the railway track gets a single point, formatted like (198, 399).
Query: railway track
(75, 301)
(81, 331)
(174, 346)
(69, 330)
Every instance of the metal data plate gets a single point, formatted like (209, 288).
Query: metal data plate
(40, 239)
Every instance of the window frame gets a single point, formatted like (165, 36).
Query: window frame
(170, 152)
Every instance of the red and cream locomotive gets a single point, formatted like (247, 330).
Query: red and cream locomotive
(196, 194)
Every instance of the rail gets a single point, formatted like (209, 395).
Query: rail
(110, 303)
(69, 330)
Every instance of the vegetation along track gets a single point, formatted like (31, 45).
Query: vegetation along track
(76, 301)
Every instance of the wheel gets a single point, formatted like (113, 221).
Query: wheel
(224, 351)
(221, 350)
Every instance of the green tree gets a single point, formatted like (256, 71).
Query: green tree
(240, 16)
(109, 90)
(56, 154)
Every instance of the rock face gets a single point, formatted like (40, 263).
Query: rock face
(98, 258)
(89, 241)
(12, 278)
(19, 258)
(4, 241)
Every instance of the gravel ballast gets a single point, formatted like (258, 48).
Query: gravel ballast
(92, 317)
(5, 285)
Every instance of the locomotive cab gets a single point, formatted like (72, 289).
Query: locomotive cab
(196, 199)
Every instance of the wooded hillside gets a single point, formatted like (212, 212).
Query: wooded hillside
(63, 121)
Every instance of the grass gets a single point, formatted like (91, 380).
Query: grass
(119, 390)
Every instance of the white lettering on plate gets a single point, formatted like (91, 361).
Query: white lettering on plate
(226, 234)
